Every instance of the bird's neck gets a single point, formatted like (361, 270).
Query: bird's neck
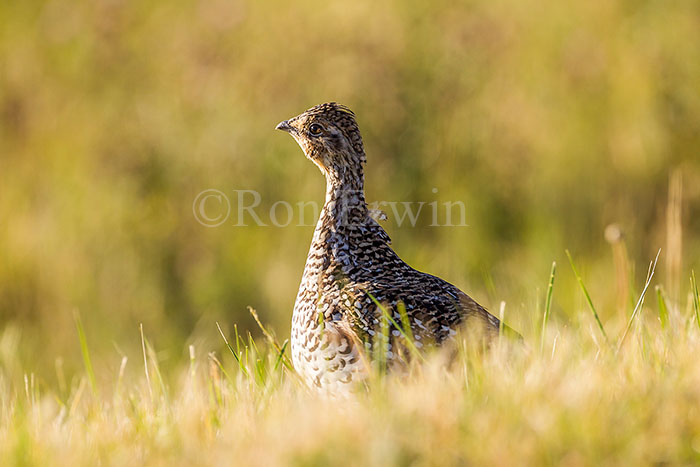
(345, 199)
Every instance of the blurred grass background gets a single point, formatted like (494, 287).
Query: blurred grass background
(549, 121)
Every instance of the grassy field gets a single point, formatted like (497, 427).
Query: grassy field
(560, 125)
(579, 395)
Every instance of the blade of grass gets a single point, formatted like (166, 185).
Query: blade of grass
(501, 317)
(86, 353)
(243, 355)
(548, 303)
(595, 339)
(120, 378)
(156, 368)
(215, 379)
(260, 369)
(505, 331)
(588, 297)
(409, 341)
(60, 376)
(253, 345)
(233, 352)
(381, 343)
(192, 361)
(145, 363)
(238, 342)
(405, 321)
(663, 309)
(696, 297)
(271, 339)
(77, 398)
(638, 306)
(554, 346)
(212, 356)
(279, 356)
(26, 389)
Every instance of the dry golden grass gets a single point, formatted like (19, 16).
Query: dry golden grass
(578, 401)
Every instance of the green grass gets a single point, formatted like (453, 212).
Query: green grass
(662, 307)
(589, 301)
(85, 351)
(696, 297)
(547, 303)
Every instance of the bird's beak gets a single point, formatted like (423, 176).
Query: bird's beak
(284, 126)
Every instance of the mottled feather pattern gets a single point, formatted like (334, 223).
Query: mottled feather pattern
(335, 319)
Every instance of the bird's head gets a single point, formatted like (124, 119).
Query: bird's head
(329, 136)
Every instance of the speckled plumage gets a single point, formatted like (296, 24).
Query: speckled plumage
(335, 320)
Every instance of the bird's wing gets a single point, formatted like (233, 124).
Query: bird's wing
(434, 308)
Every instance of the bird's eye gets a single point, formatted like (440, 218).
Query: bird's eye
(315, 129)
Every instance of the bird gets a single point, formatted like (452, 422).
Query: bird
(358, 302)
